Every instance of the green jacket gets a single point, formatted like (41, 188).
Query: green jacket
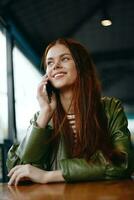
(35, 151)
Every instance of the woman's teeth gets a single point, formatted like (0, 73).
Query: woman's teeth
(58, 75)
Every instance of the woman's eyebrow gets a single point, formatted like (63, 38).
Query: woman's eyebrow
(61, 55)
(64, 54)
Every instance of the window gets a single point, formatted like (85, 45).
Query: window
(26, 79)
(3, 89)
(131, 127)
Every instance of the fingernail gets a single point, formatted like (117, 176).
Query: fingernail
(9, 183)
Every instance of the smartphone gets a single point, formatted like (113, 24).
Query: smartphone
(50, 89)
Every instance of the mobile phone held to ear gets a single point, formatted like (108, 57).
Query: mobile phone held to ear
(50, 89)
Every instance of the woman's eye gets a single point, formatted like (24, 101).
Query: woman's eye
(49, 63)
(65, 59)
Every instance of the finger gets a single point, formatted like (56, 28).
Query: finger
(20, 177)
(42, 83)
(41, 87)
(14, 169)
(45, 77)
(12, 179)
(42, 94)
(14, 175)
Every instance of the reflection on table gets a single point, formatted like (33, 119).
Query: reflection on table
(103, 190)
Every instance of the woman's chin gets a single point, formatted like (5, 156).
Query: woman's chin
(63, 85)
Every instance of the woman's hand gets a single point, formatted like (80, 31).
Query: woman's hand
(42, 96)
(29, 172)
(46, 108)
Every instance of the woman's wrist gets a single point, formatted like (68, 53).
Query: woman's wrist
(43, 119)
(54, 176)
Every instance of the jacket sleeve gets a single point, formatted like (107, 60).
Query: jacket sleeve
(33, 149)
(98, 168)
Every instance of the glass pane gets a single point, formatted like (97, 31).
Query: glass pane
(26, 79)
(131, 128)
(3, 89)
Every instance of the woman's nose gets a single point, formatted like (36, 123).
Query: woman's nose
(57, 65)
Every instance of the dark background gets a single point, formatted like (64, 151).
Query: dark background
(37, 22)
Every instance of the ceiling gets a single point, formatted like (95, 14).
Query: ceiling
(41, 21)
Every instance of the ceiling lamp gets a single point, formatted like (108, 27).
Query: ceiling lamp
(105, 20)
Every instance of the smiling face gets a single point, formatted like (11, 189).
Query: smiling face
(60, 66)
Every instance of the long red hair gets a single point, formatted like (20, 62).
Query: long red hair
(91, 121)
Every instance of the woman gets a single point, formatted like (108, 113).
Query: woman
(76, 135)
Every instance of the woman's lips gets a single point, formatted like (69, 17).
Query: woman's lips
(59, 75)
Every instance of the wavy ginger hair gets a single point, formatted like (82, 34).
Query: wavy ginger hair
(91, 122)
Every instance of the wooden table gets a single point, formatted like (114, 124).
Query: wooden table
(106, 190)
